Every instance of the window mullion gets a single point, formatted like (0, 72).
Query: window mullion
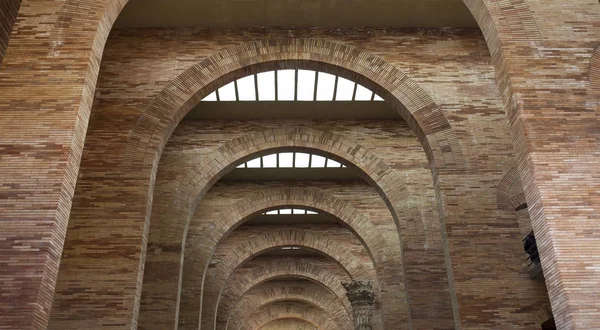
(316, 84)
(256, 86)
(335, 86)
(296, 85)
(276, 72)
(237, 95)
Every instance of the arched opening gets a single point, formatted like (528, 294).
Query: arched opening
(59, 49)
(421, 120)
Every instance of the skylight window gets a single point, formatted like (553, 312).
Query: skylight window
(333, 163)
(246, 90)
(286, 81)
(325, 87)
(345, 90)
(306, 85)
(266, 86)
(211, 97)
(255, 163)
(270, 161)
(287, 211)
(227, 92)
(318, 161)
(363, 94)
(286, 159)
(292, 160)
(293, 85)
(302, 160)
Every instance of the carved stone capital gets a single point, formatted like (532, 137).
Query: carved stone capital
(359, 292)
(361, 297)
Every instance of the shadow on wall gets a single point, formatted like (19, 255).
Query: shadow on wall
(8, 15)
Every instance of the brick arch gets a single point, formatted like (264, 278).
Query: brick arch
(225, 158)
(74, 20)
(510, 191)
(175, 222)
(257, 244)
(289, 324)
(306, 301)
(287, 237)
(316, 296)
(282, 268)
(390, 272)
(502, 22)
(413, 103)
(289, 310)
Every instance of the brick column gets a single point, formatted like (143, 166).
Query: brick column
(360, 294)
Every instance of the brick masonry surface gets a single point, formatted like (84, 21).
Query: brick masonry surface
(541, 52)
(473, 109)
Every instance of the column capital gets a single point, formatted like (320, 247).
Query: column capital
(359, 292)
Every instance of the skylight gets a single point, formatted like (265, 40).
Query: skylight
(306, 85)
(292, 160)
(345, 90)
(266, 86)
(227, 92)
(286, 80)
(293, 211)
(246, 90)
(292, 85)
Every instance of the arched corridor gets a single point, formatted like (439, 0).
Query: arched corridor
(315, 165)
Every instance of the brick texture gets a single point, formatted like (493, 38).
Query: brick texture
(289, 310)
(541, 53)
(299, 290)
(474, 110)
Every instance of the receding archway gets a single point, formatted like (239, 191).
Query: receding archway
(288, 323)
(390, 271)
(272, 270)
(265, 293)
(281, 310)
(214, 285)
(343, 321)
(74, 20)
(229, 155)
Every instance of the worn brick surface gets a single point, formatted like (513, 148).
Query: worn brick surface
(290, 323)
(47, 82)
(472, 107)
(287, 310)
(541, 52)
(291, 289)
(424, 267)
(358, 194)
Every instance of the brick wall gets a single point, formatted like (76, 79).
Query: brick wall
(408, 156)
(541, 52)
(470, 101)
